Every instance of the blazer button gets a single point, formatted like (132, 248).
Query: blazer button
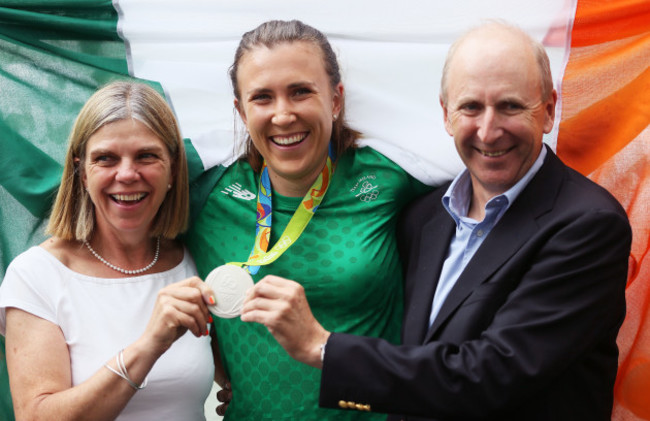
(343, 404)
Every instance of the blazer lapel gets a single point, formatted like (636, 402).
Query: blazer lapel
(516, 227)
(434, 242)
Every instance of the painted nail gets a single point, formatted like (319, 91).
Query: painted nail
(210, 318)
(207, 332)
(211, 300)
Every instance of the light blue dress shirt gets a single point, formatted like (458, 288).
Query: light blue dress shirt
(470, 233)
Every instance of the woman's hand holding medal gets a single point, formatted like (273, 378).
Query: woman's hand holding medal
(179, 307)
(281, 305)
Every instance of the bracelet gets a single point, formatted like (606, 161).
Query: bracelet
(119, 361)
(322, 352)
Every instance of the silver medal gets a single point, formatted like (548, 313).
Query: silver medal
(229, 284)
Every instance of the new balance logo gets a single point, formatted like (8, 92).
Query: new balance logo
(235, 190)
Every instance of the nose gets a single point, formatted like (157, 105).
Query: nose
(283, 113)
(489, 126)
(127, 171)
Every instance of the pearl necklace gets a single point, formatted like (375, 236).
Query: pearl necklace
(126, 271)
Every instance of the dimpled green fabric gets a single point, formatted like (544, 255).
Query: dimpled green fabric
(346, 259)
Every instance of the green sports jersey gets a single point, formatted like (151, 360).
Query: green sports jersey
(346, 260)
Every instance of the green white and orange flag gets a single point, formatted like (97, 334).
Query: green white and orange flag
(55, 53)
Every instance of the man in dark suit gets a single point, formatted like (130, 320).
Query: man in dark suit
(515, 271)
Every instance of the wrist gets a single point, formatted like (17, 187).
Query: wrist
(317, 355)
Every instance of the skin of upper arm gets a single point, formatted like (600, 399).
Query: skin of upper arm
(38, 361)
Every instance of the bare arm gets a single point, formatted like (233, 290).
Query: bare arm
(39, 366)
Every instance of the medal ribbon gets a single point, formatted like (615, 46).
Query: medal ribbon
(301, 217)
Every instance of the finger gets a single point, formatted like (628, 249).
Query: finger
(205, 290)
(270, 319)
(185, 313)
(224, 395)
(183, 291)
(267, 305)
(276, 281)
(193, 294)
(221, 409)
(274, 287)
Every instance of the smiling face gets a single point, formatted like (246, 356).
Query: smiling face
(127, 170)
(288, 105)
(495, 110)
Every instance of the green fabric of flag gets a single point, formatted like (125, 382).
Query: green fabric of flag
(53, 56)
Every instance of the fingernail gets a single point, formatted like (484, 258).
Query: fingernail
(210, 318)
(211, 300)
(207, 332)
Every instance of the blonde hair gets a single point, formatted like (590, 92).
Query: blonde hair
(73, 215)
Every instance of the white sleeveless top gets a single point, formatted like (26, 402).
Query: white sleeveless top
(100, 316)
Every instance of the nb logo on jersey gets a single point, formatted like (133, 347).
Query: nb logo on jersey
(365, 190)
(235, 190)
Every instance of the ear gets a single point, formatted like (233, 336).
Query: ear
(240, 111)
(549, 112)
(445, 116)
(337, 99)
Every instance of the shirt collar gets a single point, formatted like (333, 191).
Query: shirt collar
(456, 199)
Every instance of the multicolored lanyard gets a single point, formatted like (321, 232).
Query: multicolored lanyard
(301, 217)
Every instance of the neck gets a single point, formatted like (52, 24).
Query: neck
(129, 249)
(294, 187)
(291, 189)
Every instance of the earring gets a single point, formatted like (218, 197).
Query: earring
(169, 186)
(335, 116)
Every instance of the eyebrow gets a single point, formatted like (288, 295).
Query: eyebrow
(146, 148)
(293, 85)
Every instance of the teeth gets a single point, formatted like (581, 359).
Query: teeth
(493, 154)
(128, 197)
(288, 140)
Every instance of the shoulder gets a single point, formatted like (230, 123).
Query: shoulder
(219, 179)
(365, 166)
(418, 213)
(569, 206)
(427, 203)
(62, 250)
(575, 191)
(368, 157)
(33, 257)
(34, 269)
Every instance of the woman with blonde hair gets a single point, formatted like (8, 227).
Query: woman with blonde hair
(96, 318)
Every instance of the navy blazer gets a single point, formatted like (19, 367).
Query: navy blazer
(528, 332)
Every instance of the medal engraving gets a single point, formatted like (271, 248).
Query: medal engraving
(229, 284)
